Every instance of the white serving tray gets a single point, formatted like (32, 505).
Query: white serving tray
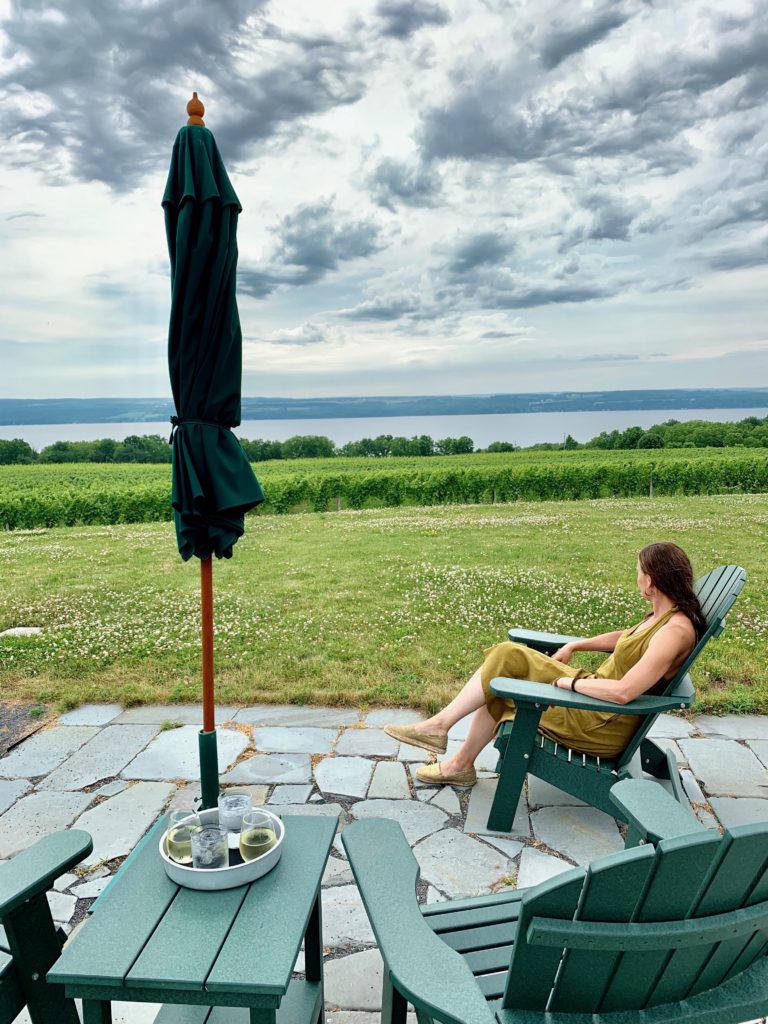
(228, 877)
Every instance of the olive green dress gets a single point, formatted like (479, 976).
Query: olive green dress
(600, 733)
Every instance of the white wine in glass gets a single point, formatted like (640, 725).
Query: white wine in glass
(257, 835)
(179, 839)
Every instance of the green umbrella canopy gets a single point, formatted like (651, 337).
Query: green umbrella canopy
(213, 482)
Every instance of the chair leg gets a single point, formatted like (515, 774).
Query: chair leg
(393, 1004)
(35, 947)
(514, 766)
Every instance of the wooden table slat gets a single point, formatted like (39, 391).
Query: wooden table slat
(185, 944)
(300, 1006)
(106, 948)
(261, 949)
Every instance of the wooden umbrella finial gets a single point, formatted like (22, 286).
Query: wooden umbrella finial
(195, 109)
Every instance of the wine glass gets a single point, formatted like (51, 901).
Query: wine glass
(181, 826)
(257, 834)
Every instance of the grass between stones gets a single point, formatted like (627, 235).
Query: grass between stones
(388, 607)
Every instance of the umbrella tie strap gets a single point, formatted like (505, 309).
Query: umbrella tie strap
(177, 421)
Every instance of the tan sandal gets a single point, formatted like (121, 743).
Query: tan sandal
(433, 774)
(435, 742)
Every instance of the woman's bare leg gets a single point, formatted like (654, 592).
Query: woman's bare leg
(469, 699)
(479, 736)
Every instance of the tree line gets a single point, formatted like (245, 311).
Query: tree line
(751, 432)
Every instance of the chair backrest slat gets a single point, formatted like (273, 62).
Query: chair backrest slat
(680, 867)
(701, 875)
(716, 591)
(612, 890)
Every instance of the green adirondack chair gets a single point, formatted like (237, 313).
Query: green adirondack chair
(675, 933)
(30, 943)
(522, 749)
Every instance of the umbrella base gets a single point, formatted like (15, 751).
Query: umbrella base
(209, 768)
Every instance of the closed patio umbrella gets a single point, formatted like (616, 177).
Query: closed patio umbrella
(213, 484)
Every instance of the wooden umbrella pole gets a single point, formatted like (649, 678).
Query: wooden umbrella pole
(206, 595)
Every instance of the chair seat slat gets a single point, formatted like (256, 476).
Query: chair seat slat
(480, 938)
(489, 961)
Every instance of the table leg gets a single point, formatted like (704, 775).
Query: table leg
(313, 951)
(97, 1011)
(263, 1016)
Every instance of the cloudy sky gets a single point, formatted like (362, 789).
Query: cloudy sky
(439, 196)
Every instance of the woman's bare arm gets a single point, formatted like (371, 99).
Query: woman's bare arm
(604, 642)
(666, 649)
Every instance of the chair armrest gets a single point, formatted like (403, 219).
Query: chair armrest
(539, 641)
(426, 971)
(522, 690)
(34, 870)
(652, 811)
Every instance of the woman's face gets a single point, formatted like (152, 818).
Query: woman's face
(643, 581)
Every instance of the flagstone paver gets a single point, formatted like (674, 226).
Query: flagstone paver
(90, 889)
(760, 747)
(672, 726)
(424, 793)
(91, 714)
(10, 791)
(408, 752)
(344, 919)
(511, 848)
(337, 872)
(739, 812)
(537, 866)
(725, 768)
(187, 714)
(542, 794)
(313, 810)
(486, 760)
(417, 820)
(735, 727)
(22, 631)
(480, 801)
(369, 742)
(392, 716)
(37, 815)
(291, 794)
(298, 740)
(101, 757)
(174, 754)
(116, 825)
(389, 781)
(354, 982)
(459, 866)
(445, 798)
(266, 768)
(344, 776)
(45, 751)
(581, 833)
(297, 717)
(62, 906)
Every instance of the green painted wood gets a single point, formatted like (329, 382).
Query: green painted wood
(151, 838)
(186, 942)
(422, 968)
(394, 1006)
(103, 952)
(491, 986)
(260, 950)
(612, 890)
(96, 1012)
(533, 968)
(523, 691)
(514, 766)
(178, 1014)
(652, 812)
(508, 898)
(538, 640)
(301, 1005)
(193, 998)
(4, 948)
(489, 961)
(479, 917)
(35, 869)
(481, 937)
(11, 995)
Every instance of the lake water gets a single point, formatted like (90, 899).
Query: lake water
(522, 429)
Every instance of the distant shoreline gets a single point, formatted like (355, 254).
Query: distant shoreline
(21, 411)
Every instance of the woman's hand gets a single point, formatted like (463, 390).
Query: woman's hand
(564, 654)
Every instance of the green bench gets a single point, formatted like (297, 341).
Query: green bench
(30, 943)
(671, 934)
(523, 750)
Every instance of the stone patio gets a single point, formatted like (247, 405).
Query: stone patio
(113, 772)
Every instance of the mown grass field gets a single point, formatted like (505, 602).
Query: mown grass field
(371, 607)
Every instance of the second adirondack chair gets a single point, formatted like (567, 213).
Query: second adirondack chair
(522, 749)
(30, 943)
(674, 934)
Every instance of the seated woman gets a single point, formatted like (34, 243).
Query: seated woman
(643, 659)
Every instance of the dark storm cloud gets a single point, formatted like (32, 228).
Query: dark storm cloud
(485, 249)
(386, 307)
(565, 40)
(492, 335)
(310, 243)
(395, 182)
(638, 110)
(111, 72)
(741, 257)
(401, 18)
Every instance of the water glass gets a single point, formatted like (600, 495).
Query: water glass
(232, 807)
(181, 827)
(257, 835)
(209, 848)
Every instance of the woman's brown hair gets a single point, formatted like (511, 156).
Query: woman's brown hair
(671, 572)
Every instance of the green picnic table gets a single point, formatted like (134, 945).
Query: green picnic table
(150, 940)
